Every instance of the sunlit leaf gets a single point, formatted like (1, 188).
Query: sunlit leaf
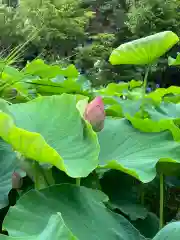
(43, 70)
(51, 130)
(149, 125)
(174, 61)
(144, 50)
(159, 93)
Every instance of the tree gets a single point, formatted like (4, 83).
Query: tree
(60, 24)
(106, 31)
(148, 17)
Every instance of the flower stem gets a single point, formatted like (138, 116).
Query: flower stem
(78, 182)
(146, 79)
(161, 207)
(142, 194)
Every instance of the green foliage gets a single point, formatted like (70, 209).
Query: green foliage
(44, 148)
(8, 166)
(118, 154)
(174, 62)
(84, 184)
(145, 50)
(14, 30)
(93, 58)
(55, 229)
(171, 231)
(60, 23)
(149, 17)
(59, 27)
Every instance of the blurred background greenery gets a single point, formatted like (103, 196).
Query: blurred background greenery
(84, 32)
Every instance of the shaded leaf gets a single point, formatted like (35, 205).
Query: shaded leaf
(55, 229)
(8, 165)
(82, 210)
(122, 190)
(148, 226)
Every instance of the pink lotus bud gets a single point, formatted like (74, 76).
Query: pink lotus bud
(95, 114)
(16, 181)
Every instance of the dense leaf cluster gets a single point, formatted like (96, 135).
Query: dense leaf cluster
(70, 182)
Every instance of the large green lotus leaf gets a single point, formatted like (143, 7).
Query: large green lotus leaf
(144, 50)
(169, 232)
(82, 209)
(81, 106)
(55, 229)
(174, 61)
(8, 166)
(134, 152)
(51, 130)
(41, 69)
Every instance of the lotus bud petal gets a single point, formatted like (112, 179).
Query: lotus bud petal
(95, 114)
(16, 181)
